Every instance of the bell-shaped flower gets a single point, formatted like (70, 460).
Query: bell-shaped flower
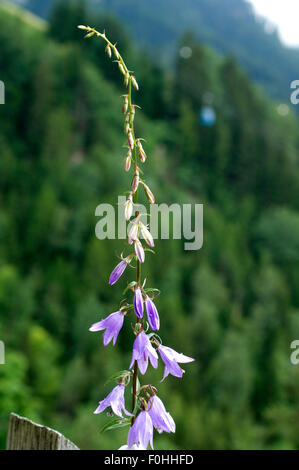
(118, 271)
(152, 314)
(116, 400)
(138, 303)
(142, 352)
(141, 433)
(162, 420)
(112, 324)
(171, 358)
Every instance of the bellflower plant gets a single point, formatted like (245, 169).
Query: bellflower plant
(147, 411)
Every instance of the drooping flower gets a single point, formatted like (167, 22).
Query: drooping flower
(118, 271)
(141, 152)
(141, 433)
(152, 314)
(142, 352)
(162, 420)
(171, 358)
(133, 232)
(139, 251)
(146, 235)
(138, 303)
(112, 324)
(134, 82)
(149, 193)
(116, 400)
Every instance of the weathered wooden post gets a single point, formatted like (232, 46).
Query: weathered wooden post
(23, 434)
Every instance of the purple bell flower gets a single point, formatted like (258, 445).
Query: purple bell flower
(118, 271)
(141, 433)
(116, 400)
(152, 314)
(138, 303)
(171, 358)
(162, 420)
(112, 324)
(142, 352)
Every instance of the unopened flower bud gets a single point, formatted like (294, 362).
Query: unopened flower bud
(128, 161)
(146, 235)
(89, 35)
(139, 251)
(133, 233)
(135, 182)
(141, 152)
(121, 68)
(134, 82)
(130, 140)
(81, 26)
(149, 194)
(125, 104)
(129, 208)
(116, 53)
(108, 51)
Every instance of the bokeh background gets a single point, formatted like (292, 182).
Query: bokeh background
(220, 130)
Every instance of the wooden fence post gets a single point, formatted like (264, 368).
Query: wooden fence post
(23, 434)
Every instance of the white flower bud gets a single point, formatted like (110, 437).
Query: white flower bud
(141, 152)
(146, 234)
(81, 26)
(129, 208)
(116, 53)
(121, 68)
(108, 51)
(130, 140)
(89, 35)
(139, 251)
(134, 82)
(135, 182)
(149, 194)
(128, 161)
(133, 233)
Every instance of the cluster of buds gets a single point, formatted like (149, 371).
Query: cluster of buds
(148, 412)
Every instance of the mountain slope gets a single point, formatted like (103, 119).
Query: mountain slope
(229, 26)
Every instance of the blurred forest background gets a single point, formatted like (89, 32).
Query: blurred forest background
(214, 137)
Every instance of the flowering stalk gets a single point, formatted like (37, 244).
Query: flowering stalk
(148, 411)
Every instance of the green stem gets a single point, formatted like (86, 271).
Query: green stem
(127, 73)
(135, 373)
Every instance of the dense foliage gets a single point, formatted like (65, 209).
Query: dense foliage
(233, 305)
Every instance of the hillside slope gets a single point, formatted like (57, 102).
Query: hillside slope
(229, 26)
